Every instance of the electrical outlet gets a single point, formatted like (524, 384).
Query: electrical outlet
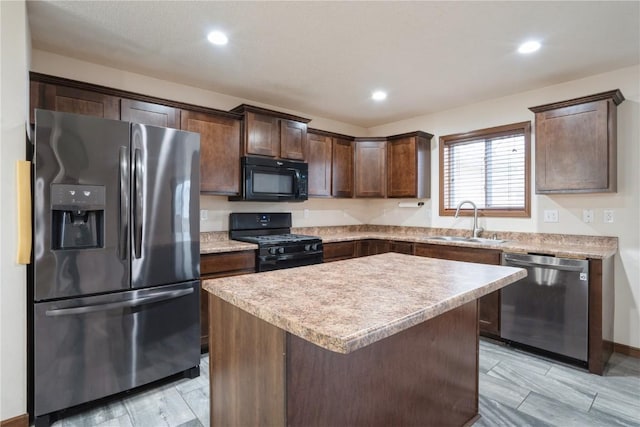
(306, 213)
(587, 215)
(551, 215)
(608, 215)
(204, 214)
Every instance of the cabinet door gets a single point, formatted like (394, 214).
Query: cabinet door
(293, 140)
(79, 101)
(372, 247)
(488, 305)
(342, 168)
(339, 250)
(219, 151)
(401, 247)
(370, 167)
(573, 151)
(149, 113)
(262, 135)
(402, 168)
(319, 159)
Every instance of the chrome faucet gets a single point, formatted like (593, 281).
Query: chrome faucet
(476, 230)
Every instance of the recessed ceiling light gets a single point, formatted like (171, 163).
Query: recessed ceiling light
(529, 47)
(217, 37)
(379, 95)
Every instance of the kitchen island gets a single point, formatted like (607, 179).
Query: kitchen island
(388, 339)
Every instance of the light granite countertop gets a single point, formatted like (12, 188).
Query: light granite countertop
(561, 245)
(345, 305)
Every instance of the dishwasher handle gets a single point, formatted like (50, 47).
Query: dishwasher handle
(550, 266)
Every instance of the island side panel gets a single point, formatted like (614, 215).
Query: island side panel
(246, 368)
(425, 375)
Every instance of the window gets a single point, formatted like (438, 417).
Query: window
(490, 167)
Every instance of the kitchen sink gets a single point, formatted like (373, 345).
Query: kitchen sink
(467, 239)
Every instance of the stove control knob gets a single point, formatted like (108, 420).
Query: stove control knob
(307, 247)
(272, 250)
(280, 250)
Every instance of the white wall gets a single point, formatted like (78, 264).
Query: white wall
(14, 42)
(491, 113)
(625, 203)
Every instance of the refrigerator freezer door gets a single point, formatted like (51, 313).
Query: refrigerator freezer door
(88, 348)
(165, 199)
(78, 243)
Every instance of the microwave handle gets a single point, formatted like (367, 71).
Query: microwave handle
(296, 172)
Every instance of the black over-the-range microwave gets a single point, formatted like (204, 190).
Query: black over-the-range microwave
(272, 180)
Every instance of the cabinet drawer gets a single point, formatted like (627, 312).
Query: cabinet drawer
(339, 250)
(227, 264)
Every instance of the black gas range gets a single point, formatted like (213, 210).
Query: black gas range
(277, 247)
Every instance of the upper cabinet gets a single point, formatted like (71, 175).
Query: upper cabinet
(149, 113)
(219, 130)
(370, 167)
(330, 158)
(219, 150)
(409, 165)
(576, 144)
(73, 100)
(273, 134)
(342, 167)
(319, 159)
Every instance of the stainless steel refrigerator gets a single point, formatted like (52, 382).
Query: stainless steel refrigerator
(114, 288)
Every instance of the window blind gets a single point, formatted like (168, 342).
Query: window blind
(488, 170)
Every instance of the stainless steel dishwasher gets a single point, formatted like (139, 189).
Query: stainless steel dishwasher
(549, 308)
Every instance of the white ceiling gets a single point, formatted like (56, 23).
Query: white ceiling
(325, 58)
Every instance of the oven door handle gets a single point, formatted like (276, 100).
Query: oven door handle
(270, 258)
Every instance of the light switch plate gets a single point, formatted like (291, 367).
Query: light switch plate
(204, 214)
(587, 215)
(551, 215)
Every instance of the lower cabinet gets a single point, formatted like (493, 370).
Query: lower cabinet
(336, 251)
(489, 305)
(372, 247)
(220, 265)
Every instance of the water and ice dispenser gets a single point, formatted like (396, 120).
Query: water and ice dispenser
(77, 216)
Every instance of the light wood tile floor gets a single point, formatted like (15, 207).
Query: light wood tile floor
(516, 389)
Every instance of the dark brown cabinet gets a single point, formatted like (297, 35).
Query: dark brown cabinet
(73, 100)
(575, 145)
(409, 165)
(220, 265)
(342, 167)
(219, 151)
(489, 305)
(340, 250)
(273, 134)
(330, 158)
(319, 158)
(401, 247)
(372, 247)
(370, 167)
(149, 113)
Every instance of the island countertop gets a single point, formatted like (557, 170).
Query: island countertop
(345, 305)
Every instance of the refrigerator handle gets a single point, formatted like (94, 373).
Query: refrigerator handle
(159, 296)
(137, 204)
(124, 202)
